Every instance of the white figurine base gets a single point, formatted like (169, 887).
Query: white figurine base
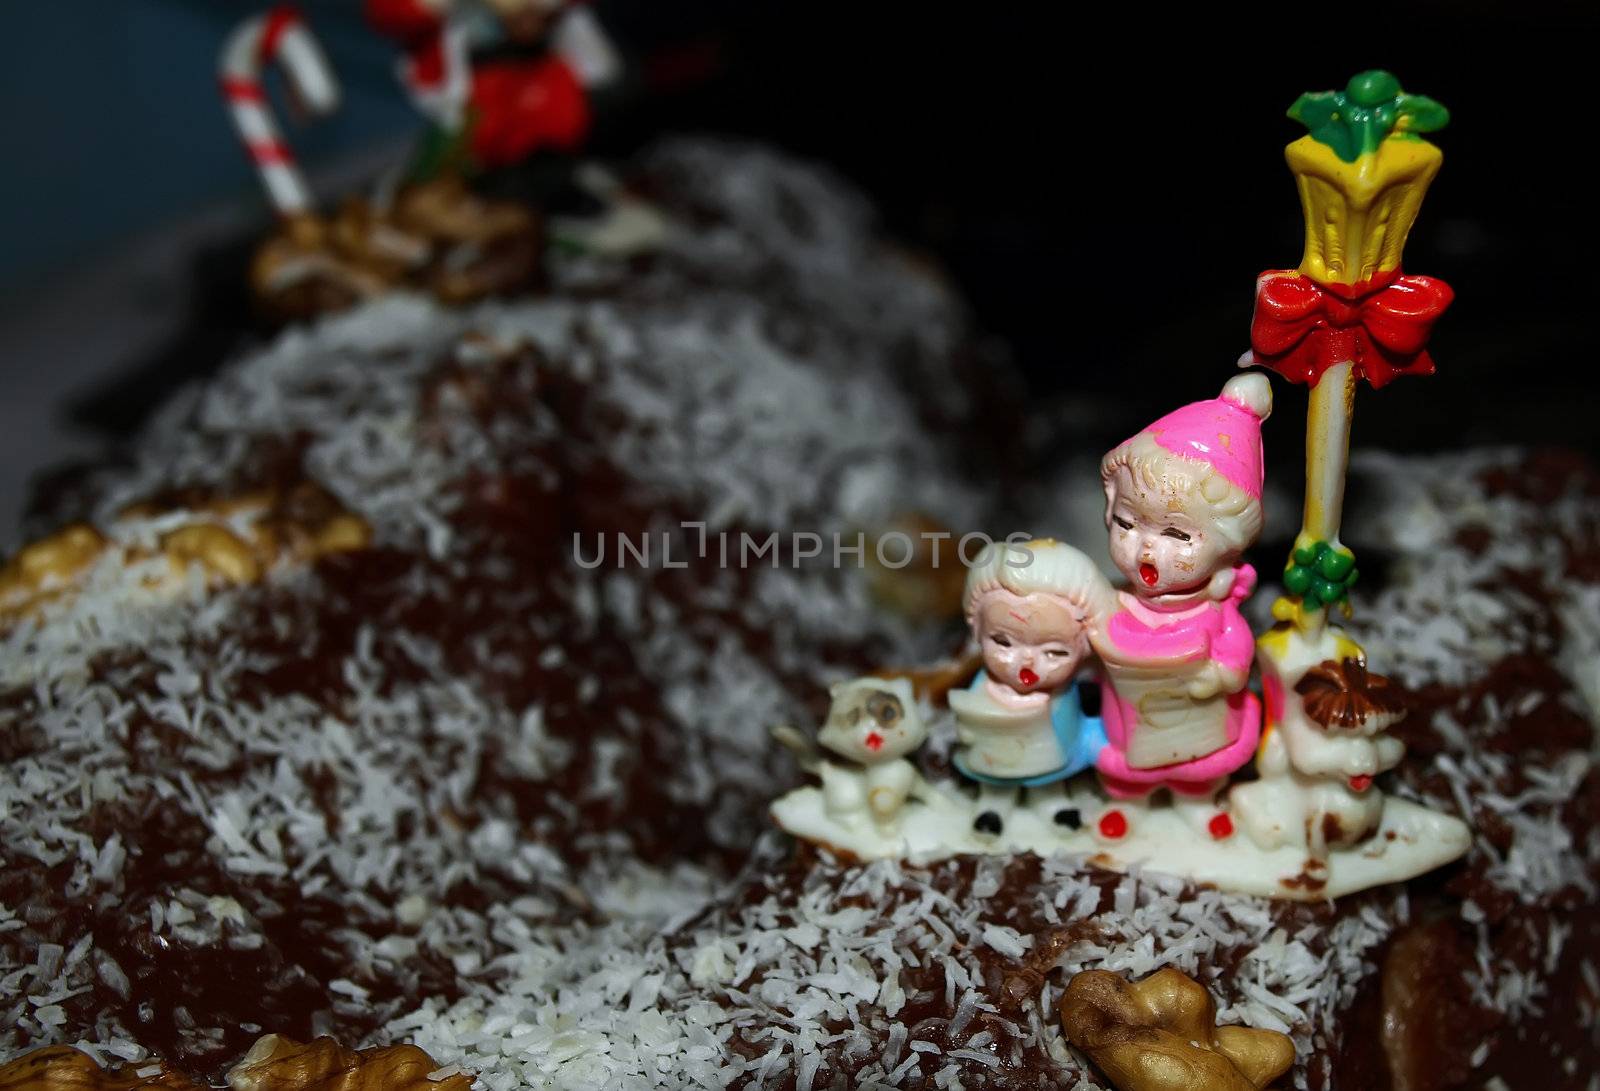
(1410, 840)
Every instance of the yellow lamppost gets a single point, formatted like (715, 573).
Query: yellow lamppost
(1347, 312)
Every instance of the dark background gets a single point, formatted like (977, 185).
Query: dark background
(1106, 192)
(1103, 184)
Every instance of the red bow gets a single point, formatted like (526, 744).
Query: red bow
(1302, 327)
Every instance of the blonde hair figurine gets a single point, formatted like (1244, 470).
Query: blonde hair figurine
(1031, 607)
(1183, 502)
(1171, 650)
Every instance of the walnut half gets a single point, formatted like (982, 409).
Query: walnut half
(232, 540)
(274, 1063)
(63, 1068)
(1162, 1035)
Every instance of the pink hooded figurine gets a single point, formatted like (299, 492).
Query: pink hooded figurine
(1183, 502)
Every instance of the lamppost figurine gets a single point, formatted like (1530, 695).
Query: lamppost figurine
(1173, 651)
(1347, 313)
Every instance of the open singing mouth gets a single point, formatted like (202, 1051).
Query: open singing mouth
(1149, 574)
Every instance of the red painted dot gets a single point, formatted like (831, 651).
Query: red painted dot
(1221, 827)
(874, 741)
(1149, 574)
(1027, 677)
(1114, 825)
(1360, 783)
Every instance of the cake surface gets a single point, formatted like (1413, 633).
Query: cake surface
(444, 783)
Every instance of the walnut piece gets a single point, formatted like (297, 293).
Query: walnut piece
(1161, 1035)
(274, 1063)
(63, 1068)
(437, 235)
(45, 569)
(914, 568)
(232, 539)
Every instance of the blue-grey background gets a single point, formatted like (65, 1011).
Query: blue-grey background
(121, 170)
(112, 122)
(128, 208)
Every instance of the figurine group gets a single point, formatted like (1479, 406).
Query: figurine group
(1149, 773)
(1172, 652)
(1156, 773)
(1150, 779)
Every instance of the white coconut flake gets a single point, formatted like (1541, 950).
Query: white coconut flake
(603, 969)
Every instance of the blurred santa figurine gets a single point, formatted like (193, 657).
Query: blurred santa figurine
(502, 80)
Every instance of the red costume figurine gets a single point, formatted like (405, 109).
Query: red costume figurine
(502, 80)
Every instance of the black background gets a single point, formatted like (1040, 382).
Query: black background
(1105, 183)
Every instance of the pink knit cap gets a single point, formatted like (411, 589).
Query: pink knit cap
(1224, 432)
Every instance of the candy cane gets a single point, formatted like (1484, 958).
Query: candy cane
(281, 34)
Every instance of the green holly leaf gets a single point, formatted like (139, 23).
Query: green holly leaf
(1369, 110)
(1305, 556)
(1296, 579)
(1316, 108)
(1321, 112)
(1371, 88)
(1421, 114)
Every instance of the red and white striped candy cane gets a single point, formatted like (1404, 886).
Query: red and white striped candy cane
(282, 35)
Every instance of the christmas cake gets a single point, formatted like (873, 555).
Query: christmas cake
(397, 712)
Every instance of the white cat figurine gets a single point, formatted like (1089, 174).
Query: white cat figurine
(873, 723)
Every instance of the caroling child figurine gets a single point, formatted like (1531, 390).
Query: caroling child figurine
(1183, 503)
(1020, 723)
